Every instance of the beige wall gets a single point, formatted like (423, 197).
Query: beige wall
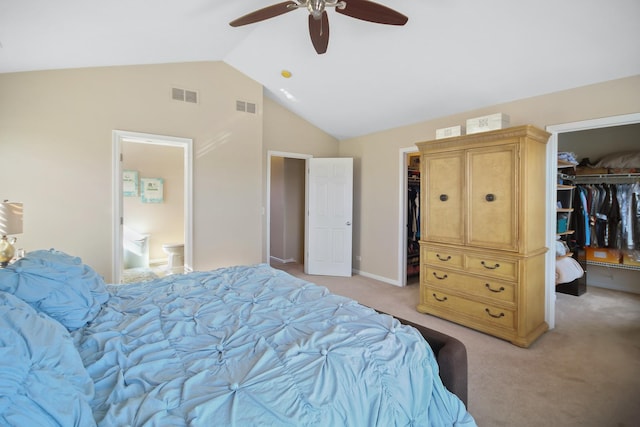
(376, 164)
(294, 171)
(277, 238)
(56, 150)
(287, 209)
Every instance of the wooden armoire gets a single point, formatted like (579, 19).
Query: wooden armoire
(482, 247)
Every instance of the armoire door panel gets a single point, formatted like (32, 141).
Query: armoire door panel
(443, 200)
(492, 205)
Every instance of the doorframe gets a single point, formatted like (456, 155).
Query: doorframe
(120, 136)
(286, 155)
(402, 212)
(552, 164)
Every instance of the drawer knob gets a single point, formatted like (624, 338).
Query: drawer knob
(495, 316)
(443, 299)
(444, 197)
(490, 197)
(489, 266)
(439, 277)
(494, 290)
(441, 258)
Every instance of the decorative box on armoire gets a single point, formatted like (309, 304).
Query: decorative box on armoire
(482, 247)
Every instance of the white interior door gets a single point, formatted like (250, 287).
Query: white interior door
(330, 213)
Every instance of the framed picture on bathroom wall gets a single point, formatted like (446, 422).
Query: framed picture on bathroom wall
(130, 183)
(152, 190)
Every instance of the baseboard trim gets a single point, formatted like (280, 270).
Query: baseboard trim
(376, 277)
(282, 261)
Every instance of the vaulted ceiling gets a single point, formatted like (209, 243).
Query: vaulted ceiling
(451, 56)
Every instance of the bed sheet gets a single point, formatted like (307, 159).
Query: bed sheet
(252, 345)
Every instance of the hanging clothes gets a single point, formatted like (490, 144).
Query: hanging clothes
(607, 215)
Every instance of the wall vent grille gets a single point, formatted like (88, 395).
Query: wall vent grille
(185, 95)
(246, 107)
(191, 96)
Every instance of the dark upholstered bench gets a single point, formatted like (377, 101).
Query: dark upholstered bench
(451, 355)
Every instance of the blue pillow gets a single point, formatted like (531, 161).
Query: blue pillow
(43, 381)
(57, 284)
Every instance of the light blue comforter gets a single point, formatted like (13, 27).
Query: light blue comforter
(246, 346)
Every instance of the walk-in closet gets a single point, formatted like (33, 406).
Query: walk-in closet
(603, 228)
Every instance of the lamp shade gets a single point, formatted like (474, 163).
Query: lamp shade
(10, 218)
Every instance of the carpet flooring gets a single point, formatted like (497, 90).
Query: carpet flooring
(584, 372)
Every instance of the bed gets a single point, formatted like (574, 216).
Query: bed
(238, 346)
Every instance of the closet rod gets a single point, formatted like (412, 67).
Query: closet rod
(612, 178)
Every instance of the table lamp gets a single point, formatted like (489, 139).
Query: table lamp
(10, 223)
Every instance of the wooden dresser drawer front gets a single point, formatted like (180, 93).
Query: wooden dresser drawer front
(495, 267)
(443, 278)
(471, 285)
(493, 289)
(486, 313)
(444, 258)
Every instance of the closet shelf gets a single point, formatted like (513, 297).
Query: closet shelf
(611, 178)
(616, 266)
(565, 164)
(566, 187)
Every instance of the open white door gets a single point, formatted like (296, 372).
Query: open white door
(330, 213)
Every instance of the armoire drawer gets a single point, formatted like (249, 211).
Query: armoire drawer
(443, 258)
(486, 313)
(492, 266)
(471, 285)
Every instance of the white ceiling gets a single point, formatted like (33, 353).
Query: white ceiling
(452, 55)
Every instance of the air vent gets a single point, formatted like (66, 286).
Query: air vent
(178, 94)
(191, 96)
(246, 107)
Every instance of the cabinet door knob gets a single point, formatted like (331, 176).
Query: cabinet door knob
(444, 197)
(490, 197)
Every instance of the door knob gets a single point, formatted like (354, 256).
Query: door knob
(348, 222)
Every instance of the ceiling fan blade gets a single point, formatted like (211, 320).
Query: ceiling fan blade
(265, 13)
(319, 32)
(372, 12)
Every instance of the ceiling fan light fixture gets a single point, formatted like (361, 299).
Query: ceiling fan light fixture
(364, 10)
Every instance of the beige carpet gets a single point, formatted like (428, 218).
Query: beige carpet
(585, 372)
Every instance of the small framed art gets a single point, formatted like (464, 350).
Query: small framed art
(152, 190)
(130, 183)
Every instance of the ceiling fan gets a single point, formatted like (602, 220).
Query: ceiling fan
(319, 21)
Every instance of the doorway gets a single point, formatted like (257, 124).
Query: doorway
(552, 155)
(286, 195)
(331, 179)
(409, 216)
(132, 142)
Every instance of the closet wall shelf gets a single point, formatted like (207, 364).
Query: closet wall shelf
(616, 266)
(564, 164)
(612, 178)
